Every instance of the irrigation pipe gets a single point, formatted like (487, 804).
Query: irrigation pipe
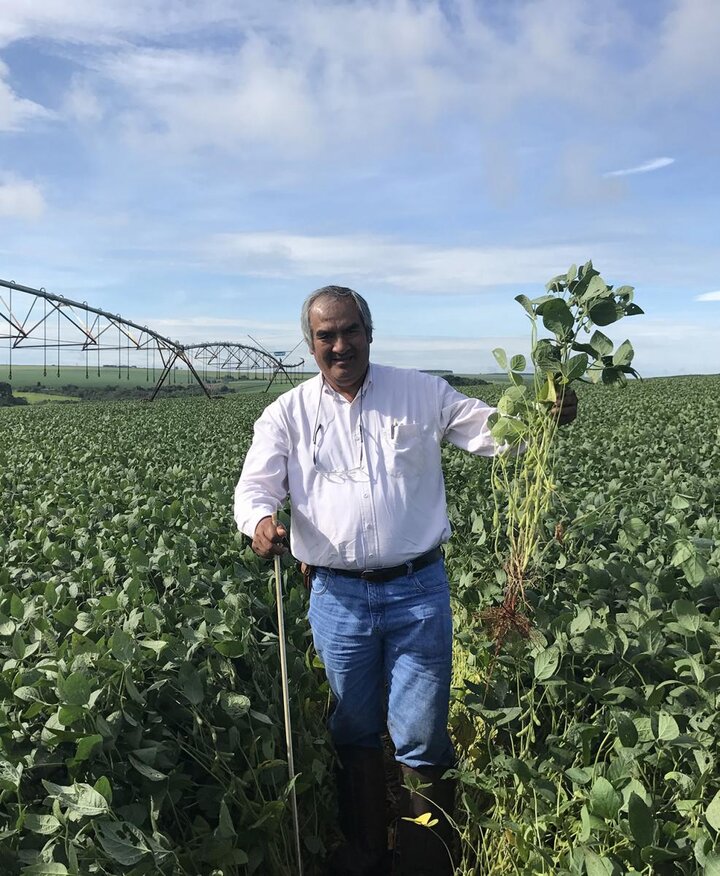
(286, 704)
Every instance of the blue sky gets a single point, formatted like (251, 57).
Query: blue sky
(202, 167)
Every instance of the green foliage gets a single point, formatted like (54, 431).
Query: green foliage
(140, 711)
(141, 726)
(595, 746)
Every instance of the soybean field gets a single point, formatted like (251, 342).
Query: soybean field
(141, 724)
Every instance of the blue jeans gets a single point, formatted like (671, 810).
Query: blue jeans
(387, 648)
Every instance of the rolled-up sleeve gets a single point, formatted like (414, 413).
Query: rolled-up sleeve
(263, 484)
(465, 423)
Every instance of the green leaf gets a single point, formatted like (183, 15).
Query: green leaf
(191, 684)
(28, 694)
(86, 746)
(575, 367)
(642, 824)
(586, 825)
(657, 855)
(231, 647)
(138, 558)
(17, 607)
(53, 869)
(667, 727)
(225, 827)
(546, 355)
(512, 401)
(581, 621)
(695, 570)
(507, 430)
(18, 645)
(68, 715)
(624, 354)
(605, 801)
(43, 824)
(597, 866)
(712, 864)
(79, 798)
(557, 318)
(525, 302)
(596, 287)
(627, 731)
(103, 786)
(578, 776)
(75, 690)
(10, 775)
(547, 391)
(687, 614)
(546, 663)
(146, 770)
(712, 813)
(601, 344)
(683, 550)
(234, 704)
(517, 363)
(121, 841)
(501, 358)
(122, 646)
(604, 312)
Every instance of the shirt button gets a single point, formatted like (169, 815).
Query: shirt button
(369, 526)
(371, 555)
(366, 495)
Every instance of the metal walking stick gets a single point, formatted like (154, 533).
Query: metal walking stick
(286, 703)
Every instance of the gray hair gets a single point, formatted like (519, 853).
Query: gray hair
(338, 293)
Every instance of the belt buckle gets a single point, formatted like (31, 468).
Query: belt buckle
(369, 574)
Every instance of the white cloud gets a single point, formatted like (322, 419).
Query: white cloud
(219, 324)
(708, 296)
(647, 167)
(307, 77)
(20, 199)
(81, 102)
(408, 266)
(280, 335)
(16, 112)
(686, 55)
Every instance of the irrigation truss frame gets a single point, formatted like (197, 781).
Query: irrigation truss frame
(79, 326)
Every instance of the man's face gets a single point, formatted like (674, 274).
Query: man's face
(339, 343)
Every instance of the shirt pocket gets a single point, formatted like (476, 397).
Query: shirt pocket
(407, 449)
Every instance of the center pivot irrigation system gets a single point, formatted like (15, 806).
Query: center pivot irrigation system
(36, 319)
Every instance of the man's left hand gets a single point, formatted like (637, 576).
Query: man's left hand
(565, 408)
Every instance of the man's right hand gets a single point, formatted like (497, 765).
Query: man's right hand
(269, 539)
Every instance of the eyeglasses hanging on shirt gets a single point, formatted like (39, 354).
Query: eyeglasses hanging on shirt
(321, 432)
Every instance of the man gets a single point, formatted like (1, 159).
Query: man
(357, 448)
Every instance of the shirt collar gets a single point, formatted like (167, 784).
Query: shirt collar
(325, 386)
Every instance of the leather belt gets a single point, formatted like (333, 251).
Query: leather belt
(380, 576)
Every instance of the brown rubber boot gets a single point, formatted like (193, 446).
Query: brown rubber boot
(420, 850)
(362, 814)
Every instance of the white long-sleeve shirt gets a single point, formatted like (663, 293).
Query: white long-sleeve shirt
(364, 476)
